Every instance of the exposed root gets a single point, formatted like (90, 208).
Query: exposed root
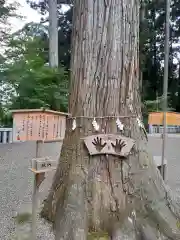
(71, 220)
(129, 187)
(126, 231)
(154, 205)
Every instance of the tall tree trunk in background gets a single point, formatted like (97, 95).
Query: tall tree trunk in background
(125, 199)
(53, 33)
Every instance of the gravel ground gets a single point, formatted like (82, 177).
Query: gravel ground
(15, 185)
(172, 153)
(16, 182)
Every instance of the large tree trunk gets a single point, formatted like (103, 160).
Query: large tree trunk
(107, 195)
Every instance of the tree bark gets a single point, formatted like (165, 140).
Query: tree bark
(104, 194)
(53, 33)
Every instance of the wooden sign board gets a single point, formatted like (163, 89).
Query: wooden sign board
(111, 144)
(43, 164)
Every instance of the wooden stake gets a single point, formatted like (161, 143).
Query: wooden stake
(38, 179)
(34, 207)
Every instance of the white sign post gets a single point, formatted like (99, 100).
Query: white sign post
(39, 166)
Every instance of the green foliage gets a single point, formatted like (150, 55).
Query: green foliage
(40, 87)
(27, 79)
(151, 47)
(7, 10)
(29, 83)
(65, 29)
(153, 106)
(23, 218)
(5, 117)
(152, 37)
(98, 236)
(156, 105)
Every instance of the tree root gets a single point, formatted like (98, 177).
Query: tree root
(157, 214)
(146, 232)
(155, 206)
(124, 232)
(154, 220)
(71, 220)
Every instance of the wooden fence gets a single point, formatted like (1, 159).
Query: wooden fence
(159, 129)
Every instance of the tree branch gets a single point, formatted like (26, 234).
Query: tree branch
(68, 2)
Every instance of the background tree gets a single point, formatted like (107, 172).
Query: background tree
(89, 193)
(152, 40)
(35, 84)
(151, 45)
(7, 11)
(27, 81)
(151, 48)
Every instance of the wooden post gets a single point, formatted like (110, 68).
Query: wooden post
(38, 179)
(35, 197)
(4, 137)
(39, 166)
(34, 207)
(10, 137)
(165, 84)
